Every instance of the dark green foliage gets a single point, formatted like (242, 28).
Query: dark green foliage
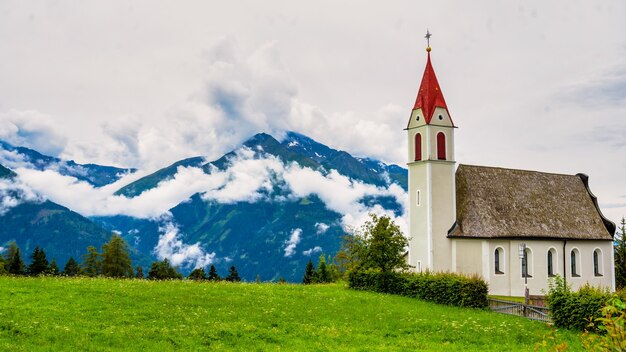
(322, 275)
(443, 288)
(309, 273)
(3, 270)
(71, 268)
(575, 310)
(620, 255)
(115, 258)
(347, 258)
(213, 275)
(14, 262)
(139, 274)
(197, 274)
(163, 271)
(383, 245)
(233, 275)
(53, 269)
(39, 263)
(92, 264)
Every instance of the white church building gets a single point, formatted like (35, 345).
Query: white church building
(506, 225)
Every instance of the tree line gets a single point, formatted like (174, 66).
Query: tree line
(113, 261)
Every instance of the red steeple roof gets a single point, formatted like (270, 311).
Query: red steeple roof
(429, 95)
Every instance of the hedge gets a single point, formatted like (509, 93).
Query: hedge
(575, 310)
(443, 288)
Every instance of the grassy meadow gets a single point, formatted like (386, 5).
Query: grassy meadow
(72, 314)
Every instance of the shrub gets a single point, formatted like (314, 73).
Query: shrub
(443, 288)
(610, 324)
(574, 310)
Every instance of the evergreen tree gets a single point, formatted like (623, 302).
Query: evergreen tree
(71, 268)
(197, 274)
(3, 270)
(620, 255)
(53, 269)
(39, 263)
(163, 271)
(14, 262)
(213, 275)
(115, 259)
(139, 272)
(258, 279)
(91, 265)
(233, 275)
(322, 275)
(309, 273)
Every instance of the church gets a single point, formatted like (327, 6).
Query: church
(514, 228)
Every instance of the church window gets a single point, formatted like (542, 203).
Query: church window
(498, 260)
(551, 255)
(418, 201)
(418, 147)
(527, 262)
(574, 257)
(441, 146)
(597, 262)
(417, 118)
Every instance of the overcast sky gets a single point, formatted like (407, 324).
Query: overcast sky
(530, 84)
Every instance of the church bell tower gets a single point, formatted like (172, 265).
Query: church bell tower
(432, 198)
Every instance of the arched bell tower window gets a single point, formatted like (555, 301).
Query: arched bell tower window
(418, 147)
(441, 146)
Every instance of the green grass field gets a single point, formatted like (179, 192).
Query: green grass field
(50, 314)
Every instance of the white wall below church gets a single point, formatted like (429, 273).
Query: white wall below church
(471, 259)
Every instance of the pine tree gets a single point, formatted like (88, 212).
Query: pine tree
(197, 274)
(213, 275)
(91, 265)
(53, 269)
(163, 271)
(14, 262)
(71, 268)
(233, 275)
(620, 255)
(139, 272)
(115, 259)
(309, 273)
(39, 263)
(322, 275)
(3, 270)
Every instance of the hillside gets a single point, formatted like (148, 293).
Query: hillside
(138, 315)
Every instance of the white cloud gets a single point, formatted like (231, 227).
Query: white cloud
(321, 228)
(310, 252)
(32, 129)
(290, 245)
(13, 192)
(172, 247)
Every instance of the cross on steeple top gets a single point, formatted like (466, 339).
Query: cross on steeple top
(427, 36)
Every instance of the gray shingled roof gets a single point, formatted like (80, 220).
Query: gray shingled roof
(506, 203)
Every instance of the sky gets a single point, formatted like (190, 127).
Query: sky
(530, 84)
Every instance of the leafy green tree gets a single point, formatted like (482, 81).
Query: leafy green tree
(53, 269)
(39, 263)
(163, 270)
(213, 275)
(347, 258)
(71, 267)
(115, 259)
(384, 245)
(14, 262)
(92, 265)
(620, 255)
(309, 273)
(233, 275)
(139, 272)
(322, 275)
(197, 274)
(3, 270)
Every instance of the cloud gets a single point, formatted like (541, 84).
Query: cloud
(321, 228)
(310, 252)
(172, 247)
(13, 193)
(32, 129)
(290, 245)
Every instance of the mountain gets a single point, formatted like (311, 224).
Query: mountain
(96, 175)
(270, 206)
(34, 222)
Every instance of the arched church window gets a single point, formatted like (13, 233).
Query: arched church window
(498, 260)
(418, 147)
(597, 262)
(527, 263)
(441, 146)
(574, 262)
(551, 255)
